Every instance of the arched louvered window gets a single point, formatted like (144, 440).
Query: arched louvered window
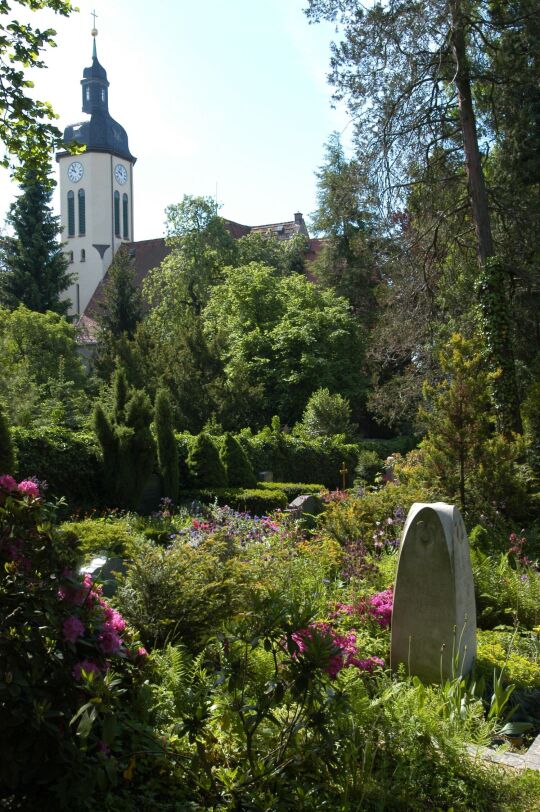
(117, 214)
(71, 214)
(83, 255)
(125, 218)
(82, 212)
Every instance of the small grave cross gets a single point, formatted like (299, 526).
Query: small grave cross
(344, 471)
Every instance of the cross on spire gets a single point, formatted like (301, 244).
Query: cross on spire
(94, 15)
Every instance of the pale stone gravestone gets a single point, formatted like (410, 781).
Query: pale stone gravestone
(434, 614)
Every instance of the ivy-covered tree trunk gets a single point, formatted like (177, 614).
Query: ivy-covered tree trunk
(492, 289)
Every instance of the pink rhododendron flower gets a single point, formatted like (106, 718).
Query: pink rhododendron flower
(87, 666)
(8, 483)
(29, 488)
(72, 628)
(78, 594)
(369, 664)
(142, 652)
(113, 619)
(380, 607)
(109, 641)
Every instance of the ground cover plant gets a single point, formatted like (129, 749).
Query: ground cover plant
(266, 684)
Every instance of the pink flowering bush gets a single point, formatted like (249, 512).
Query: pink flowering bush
(377, 607)
(331, 651)
(68, 663)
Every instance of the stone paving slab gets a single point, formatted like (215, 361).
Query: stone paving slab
(517, 761)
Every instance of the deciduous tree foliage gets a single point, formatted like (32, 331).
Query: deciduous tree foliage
(26, 128)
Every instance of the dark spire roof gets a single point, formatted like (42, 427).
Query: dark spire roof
(101, 133)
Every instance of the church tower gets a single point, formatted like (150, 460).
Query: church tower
(96, 188)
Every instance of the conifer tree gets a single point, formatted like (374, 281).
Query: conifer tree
(205, 467)
(33, 267)
(236, 463)
(126, 443)
(120, 308)
(167, 448)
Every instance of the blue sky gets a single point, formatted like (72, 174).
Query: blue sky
(213, 94)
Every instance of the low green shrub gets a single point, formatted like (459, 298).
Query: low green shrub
(254, 500)
(180, 593)
(69, 462)
(103, 535)
(369, 465)
(291, 489)
(496, 650)
(505, 593)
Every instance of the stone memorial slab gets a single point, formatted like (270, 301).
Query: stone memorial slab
(434, 614)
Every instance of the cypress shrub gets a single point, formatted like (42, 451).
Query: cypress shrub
(7, 460)
(205, 467)
(167, 448)
(127, 444)
(238, 467)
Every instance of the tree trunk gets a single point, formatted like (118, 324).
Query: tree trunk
(493, 302)
(475, 174)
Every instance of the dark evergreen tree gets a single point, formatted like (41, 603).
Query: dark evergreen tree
(33, 267)
(167, 448)
(237, 465)
(347, 262)
(120, 308)
(7, 461)
(126, 443)
(205, 467)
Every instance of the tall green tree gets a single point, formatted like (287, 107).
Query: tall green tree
(26, 128)
(33, 267)
(201, 246)
(344, 217)
(410, 73)
(280, 338)
(120, 308)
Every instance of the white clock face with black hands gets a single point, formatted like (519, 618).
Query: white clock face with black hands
(75, 171)
(120, 173)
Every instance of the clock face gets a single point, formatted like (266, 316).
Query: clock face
(75, 171)
(120, 173)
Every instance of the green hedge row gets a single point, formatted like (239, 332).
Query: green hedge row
(68, 461)
(258, 501)
(290, 459)
(291, 489)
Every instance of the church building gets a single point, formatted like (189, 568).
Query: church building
(96, 210)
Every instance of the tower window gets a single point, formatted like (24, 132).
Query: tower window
(102, 94)
(87, 91)
(82, 212)
(125, 219)
(83, 255)
(117, 214)
(69, 255)
(71, 214)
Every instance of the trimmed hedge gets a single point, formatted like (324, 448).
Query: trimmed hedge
(297, 459)
(291, 489)
(253, 500)
(68, 461)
